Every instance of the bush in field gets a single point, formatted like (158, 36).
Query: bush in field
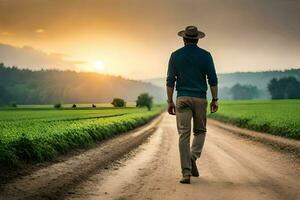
(117, 102)
(74, 106)
(58, 105)
(13, 104)
(144, 100)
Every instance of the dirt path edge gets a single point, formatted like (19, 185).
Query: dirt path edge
(51, 182)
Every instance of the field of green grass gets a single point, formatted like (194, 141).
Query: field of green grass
(41, 133)
(277, 117)
(98, 105)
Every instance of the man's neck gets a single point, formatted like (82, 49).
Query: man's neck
(186, 44)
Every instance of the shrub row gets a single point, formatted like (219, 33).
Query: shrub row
(261, 126)
(63, 136)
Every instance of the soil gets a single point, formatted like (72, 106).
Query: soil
(231, 167)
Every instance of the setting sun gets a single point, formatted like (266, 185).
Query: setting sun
(99, 65)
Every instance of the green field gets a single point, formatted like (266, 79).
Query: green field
(99, 105)
(278, 117)
(40, 133)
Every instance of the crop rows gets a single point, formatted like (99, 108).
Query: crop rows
(39, 135)
(280, 117)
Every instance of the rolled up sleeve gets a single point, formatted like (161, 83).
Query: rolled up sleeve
(171, 75)
(211, 72)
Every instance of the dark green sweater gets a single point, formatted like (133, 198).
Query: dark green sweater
(190, 67)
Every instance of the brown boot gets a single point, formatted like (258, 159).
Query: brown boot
(185, 180)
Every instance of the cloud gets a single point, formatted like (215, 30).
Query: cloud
(28, 57)
(241, 34)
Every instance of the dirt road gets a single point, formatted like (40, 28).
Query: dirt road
(231, 168)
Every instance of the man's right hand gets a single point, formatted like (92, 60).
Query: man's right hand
(171, 108)
(214, 106)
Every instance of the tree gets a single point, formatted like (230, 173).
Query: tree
(5, 96)
(57, 105)
(276, 90)
(118, 102)
(284, 88)
(242, 92)
(144, 100)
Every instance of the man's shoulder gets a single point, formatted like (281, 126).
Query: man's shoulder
(184, 49)
(204, 51)
(178, 51)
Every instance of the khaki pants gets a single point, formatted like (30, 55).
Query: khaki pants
(186, 109)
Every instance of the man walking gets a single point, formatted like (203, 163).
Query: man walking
(190, 67)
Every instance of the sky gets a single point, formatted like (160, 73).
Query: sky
(135, 38)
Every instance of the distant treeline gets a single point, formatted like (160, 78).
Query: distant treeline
(245, 85)
(54, 86)
(258, 79)
(283, 88)
(254, 84)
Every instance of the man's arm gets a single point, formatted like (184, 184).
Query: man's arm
(214, 91)
(171, 79)
(170, 91)
(171, 105)
(213, 82)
